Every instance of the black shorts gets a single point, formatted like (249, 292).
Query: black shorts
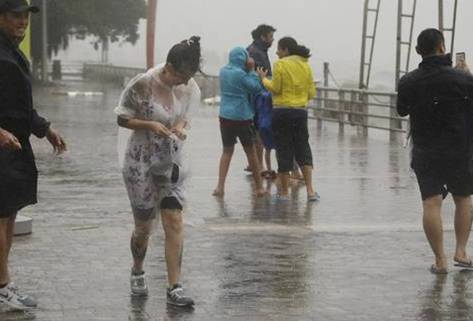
(168, 203)
(442, 177)
(18, 180)
(231, 130)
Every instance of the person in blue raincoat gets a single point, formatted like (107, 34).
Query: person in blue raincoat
(238, 82)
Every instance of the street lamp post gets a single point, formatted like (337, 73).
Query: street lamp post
(151, 33)
(44, 53)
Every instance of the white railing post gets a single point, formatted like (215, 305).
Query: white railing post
(318, 108)
(341, 110)
(364, 110)
(351, 107)
(394, 124)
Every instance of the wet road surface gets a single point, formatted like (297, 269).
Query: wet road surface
(359, 254)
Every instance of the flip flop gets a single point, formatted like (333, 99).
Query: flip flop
(269, 174)
(265, 174)
(436, 270)
(465, 265)
(281, 198)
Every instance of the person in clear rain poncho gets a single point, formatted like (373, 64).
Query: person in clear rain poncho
(153, 117)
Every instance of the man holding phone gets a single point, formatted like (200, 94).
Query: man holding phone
(460, 62)
(439, 101)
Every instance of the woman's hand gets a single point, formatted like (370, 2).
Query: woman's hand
(138, 124)
(180, 133)
(262, 73)
(159, 129)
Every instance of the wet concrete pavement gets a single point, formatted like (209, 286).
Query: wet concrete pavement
(359, 254)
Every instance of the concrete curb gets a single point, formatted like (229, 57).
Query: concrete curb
(23, 225)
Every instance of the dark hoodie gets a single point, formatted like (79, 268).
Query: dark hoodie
(258, 50)
(439, 101)
(17, 114)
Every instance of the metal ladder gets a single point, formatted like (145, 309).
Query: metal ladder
(442, 26)
(401, 45)
(366, 61)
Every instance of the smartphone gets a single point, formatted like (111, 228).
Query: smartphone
(460, 58)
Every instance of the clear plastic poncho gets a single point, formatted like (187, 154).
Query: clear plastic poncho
(152, 165)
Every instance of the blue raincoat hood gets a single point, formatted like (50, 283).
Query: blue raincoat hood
(238, 57)
(237, 84)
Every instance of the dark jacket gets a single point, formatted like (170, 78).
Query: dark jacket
(258, 50)
(439, 101)
(17, 114)
(18, 173)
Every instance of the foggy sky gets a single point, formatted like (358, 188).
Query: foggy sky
(331, 28)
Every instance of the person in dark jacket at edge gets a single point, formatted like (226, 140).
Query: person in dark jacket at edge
(263, 38)
(18, 120)
(439, 101)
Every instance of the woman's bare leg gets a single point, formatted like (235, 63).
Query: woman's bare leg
(225, 160)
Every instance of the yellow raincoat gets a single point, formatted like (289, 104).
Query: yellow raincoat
(292, 84)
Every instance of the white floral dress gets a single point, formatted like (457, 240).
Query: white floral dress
(147, 156)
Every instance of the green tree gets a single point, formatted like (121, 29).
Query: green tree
(105, 20)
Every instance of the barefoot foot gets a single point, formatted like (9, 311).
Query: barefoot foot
(218, 193)
(260, 192)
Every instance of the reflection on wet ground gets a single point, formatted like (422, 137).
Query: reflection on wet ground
(359, 254)
(138, 309)
(448, 300)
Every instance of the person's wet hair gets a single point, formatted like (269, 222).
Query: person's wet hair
(185, 56)
(293, 47)
(428, 41)
(262, 30)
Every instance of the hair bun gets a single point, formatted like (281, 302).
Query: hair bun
(194, 41)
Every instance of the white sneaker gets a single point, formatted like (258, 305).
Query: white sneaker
(176, 297)
(10, 296)
(138, 284)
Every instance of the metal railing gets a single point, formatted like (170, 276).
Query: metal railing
(363, 108)
(355, 107)
(110, 72)
(208, 84)
(70, 70)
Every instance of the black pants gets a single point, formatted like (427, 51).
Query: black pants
(291, 138)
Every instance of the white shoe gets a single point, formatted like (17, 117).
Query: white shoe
(138, 284)
(176, 297)
(10, 296)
